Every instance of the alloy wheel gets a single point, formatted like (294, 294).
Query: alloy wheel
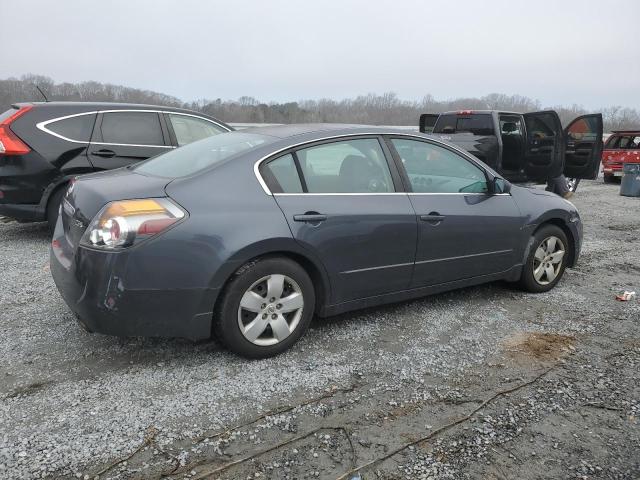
(270, 310)
(547, 260)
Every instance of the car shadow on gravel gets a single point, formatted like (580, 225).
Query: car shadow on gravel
(487, 292)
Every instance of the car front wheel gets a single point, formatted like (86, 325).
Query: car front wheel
(265, 308)
(546, 261)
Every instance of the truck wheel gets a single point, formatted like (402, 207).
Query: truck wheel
(546, 261)
(572, 184)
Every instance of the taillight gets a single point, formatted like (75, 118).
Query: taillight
(126, 222)
(10, 144)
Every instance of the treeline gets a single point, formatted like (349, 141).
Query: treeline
(385, 109)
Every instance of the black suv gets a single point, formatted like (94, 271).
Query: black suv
(44, 145)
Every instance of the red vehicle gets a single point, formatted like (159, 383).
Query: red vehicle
(623, 146)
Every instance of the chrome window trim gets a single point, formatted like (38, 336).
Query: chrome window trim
(465, 154)
(43, 126)
(387, 193)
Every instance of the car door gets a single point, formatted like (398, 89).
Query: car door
(464, 231)
(544, 146)
(124, 137)
(583, 147)
(343, 201)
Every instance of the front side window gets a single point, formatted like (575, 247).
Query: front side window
(75, 128)
(434, 169)
(131, 128)
(584, 130)
(191, 129)
(350, 166)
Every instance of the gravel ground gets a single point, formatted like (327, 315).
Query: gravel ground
(486, 382)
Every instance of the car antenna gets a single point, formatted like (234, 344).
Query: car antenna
(42, 93)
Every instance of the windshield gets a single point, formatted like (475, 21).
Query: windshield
(192, 158)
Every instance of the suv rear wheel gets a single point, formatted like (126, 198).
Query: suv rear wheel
(265, 308)
(53, 207)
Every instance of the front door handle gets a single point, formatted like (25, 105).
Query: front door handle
(310, 218)
(434, 218)
(104, 153)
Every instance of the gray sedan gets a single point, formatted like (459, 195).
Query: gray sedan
(247, 235)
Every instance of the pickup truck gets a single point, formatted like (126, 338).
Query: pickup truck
(623, 146)
(524, 147)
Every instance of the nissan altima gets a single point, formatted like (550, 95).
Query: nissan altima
(245, 236)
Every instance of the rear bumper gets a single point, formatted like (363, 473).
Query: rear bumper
(23, 213)
(94, 285)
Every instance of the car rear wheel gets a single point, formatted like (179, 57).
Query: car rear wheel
(546, 261)
(265, 308)
(53, 207)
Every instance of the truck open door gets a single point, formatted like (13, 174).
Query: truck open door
(583, 147)
(428, 121)
(544, 146)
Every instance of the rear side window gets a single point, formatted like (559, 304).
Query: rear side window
(132, 128)
(281, 175)
(351, 166)
(191, 129)
(478, 124)
(433, 169)
(77, 128)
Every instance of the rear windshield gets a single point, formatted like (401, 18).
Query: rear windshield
(192, 158)
(478, 124)
(624, 142)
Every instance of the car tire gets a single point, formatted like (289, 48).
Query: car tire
(542, 271)
(53, 207)
(271, 324)
(609, 179)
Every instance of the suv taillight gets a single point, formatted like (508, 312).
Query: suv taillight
(10, 144)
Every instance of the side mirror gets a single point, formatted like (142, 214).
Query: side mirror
(500, 185)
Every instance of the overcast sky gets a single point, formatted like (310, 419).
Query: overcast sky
(560, 52)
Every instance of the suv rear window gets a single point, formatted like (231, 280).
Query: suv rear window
(477, 124)
(192, 158)
(75, 128)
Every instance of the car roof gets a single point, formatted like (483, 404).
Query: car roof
(85, 106)
(472, 111)
(293, 130)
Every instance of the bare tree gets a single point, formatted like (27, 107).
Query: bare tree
(376, 109)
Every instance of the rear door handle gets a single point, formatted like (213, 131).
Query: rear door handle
(434, 218)
(310, 218)
(104, 153)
